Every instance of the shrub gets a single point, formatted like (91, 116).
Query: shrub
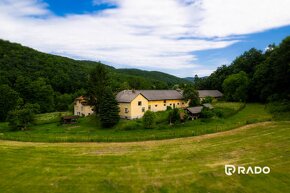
(173, 116)
(206, 113)
(207, 99)
(149, 120)
(22, 116)
(219, 113)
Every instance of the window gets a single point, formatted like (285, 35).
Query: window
(177, 103)
(139, 103)
(143, 109)
(156, 105)
(164, 105)
(126, 110)
(183, 103)
(149, 107)
(170, 104)
(164, 101)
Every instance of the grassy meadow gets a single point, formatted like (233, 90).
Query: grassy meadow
(88, 129)
(193, 164)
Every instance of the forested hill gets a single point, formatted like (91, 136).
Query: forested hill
(154, 75)
(66, 75)
(53, 81)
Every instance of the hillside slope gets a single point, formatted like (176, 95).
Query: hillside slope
(68, 75)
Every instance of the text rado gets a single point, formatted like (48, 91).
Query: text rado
(231, 169)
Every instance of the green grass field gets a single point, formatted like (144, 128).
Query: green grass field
(88, 130)
(194, 164)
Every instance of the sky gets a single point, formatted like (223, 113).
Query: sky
(180, 37)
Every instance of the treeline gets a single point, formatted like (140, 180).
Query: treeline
(53, 82)
(254, 76)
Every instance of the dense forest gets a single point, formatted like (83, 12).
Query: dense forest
(53, 82)
(255, 76)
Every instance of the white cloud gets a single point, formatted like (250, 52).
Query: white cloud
(145, 33)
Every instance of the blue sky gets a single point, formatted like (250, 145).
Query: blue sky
(180, 37)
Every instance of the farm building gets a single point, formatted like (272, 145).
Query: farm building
(134, 103)
(81, 107)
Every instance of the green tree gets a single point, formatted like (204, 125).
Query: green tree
(42, 94)
(149, 120)
(63, 101)
(207, 99)
(190, 94)
(98, 82)
(235, 87)
(22, 116)
(8, 100)
(109, 109)
(173, 116)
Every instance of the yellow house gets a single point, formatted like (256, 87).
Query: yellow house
(134, 103)
(81, 108)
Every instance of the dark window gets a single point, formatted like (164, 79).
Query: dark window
(177, 103)
(139, 103)
(149, 107)
(143, 109)
(183, 103)
(126, 110)
(164, 101)
(164, 104)
(155, 105)
(170, 104)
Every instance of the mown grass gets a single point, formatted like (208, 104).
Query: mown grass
(49, 117)
(194, 164)
(89, 129)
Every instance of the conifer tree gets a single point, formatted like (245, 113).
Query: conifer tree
(109, 109)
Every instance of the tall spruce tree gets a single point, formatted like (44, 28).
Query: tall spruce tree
(109, 109)
(98, 81)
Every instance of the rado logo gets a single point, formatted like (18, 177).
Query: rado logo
(231, 169)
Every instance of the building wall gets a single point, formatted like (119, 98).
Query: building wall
(162, 104)
(82, 110)
(125, 110)
(137, 111)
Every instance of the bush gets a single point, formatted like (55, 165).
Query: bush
(206, 113)
(173, 116)
(219, 113)
(282, 106)
(149, 120)
(22, 116)
(183, 116)
(207, 99)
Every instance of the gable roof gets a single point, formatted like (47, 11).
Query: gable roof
(154, 95)
(211, 93)
(127, 96)
(195, 110)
